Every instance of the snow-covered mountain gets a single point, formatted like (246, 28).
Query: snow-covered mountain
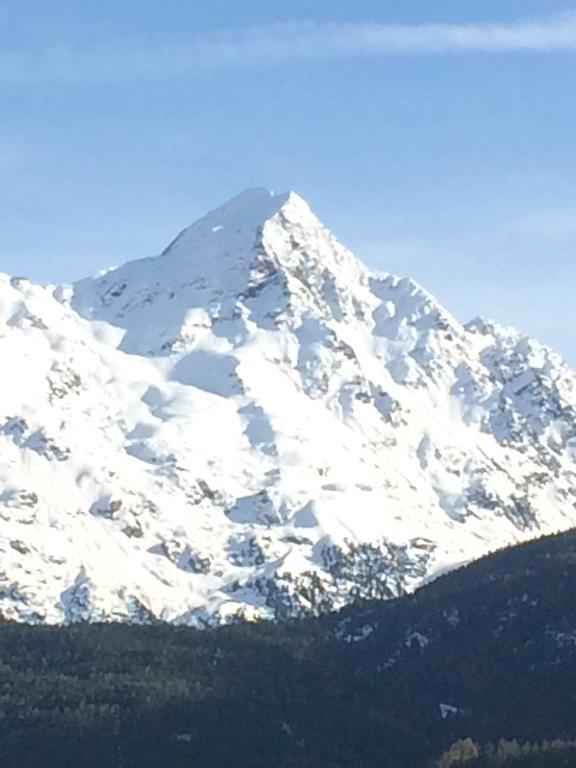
(255, 424)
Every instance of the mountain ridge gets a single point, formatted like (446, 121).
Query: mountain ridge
(255, 424)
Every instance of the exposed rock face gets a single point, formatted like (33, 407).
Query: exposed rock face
(255, 424)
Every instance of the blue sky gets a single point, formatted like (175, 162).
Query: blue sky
(436, 138)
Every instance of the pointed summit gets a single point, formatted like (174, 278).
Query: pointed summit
(225, 255)
(240, 219)
(261, 260)
(244, 213)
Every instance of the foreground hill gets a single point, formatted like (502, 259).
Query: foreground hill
(255, 424)
(484, 653)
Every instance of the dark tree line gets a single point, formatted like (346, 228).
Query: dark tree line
(484, 654)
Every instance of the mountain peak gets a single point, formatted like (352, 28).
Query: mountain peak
(254, 240)
(243, 214)
(287, 430)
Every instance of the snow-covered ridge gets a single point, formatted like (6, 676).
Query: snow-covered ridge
(256, 424)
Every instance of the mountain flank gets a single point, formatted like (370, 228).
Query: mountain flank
(256, 425)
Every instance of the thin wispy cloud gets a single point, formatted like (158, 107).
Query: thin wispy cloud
(276, 44)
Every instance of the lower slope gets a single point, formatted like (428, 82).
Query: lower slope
(486, 653)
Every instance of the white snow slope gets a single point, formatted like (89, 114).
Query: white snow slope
(254, 424)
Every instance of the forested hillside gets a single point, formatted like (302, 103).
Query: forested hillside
(485, 653)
